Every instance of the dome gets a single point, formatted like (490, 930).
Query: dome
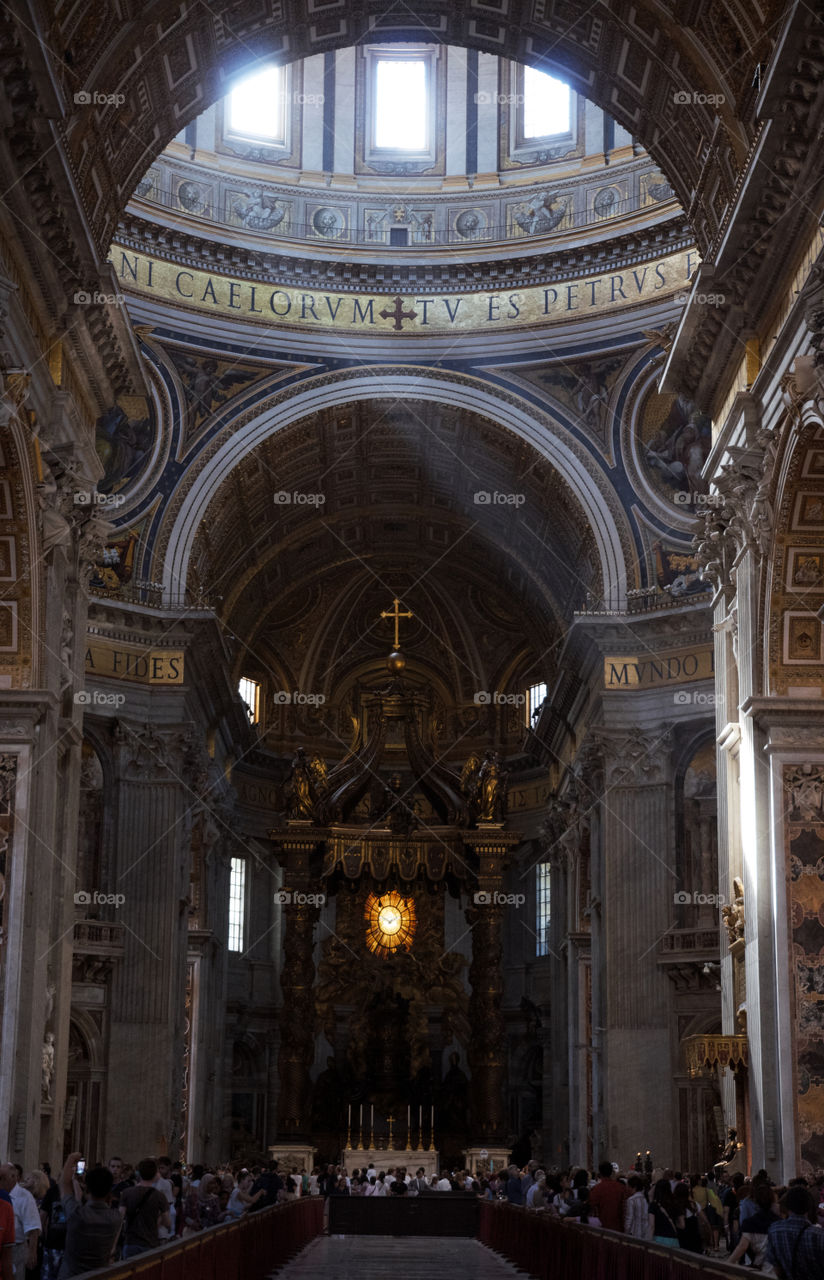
(388, 147)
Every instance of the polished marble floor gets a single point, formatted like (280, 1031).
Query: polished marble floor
(406, 1257)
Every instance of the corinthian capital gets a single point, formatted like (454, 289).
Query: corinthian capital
(637, 757)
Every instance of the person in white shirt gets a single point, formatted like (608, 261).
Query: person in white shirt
(636, 1210)
(27, 1227)
(535, 1196)
(444, 1184)
(162, 1183)
(314, 1189)
(371, 1172)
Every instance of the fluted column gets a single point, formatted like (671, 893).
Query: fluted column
(638, 879)
(297, 1035)
(153, 849)
(487, 1052)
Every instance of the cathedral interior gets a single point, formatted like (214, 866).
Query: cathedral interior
(412, 581)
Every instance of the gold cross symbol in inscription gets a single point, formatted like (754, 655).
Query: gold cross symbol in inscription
(397, 615)
(398, 314)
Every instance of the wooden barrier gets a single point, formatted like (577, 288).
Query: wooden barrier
(248, 1249)
(439, 1214)
(550, 1248)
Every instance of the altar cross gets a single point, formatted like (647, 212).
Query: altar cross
(396, 615)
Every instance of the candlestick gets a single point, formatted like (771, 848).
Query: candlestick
(360, 1129)
(432, 1130)
(391, 1121)
(408, 1127)
(419, 1147)
(372, 1128)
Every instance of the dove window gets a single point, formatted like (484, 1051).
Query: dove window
(237, 904)
(542, 915)
(257, 108)
(249, 691)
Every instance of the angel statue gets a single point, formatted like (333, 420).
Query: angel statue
(492, 785)
(469, 778)
(300, 789)
(734, 913)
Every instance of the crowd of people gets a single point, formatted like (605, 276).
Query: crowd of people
(777, 1231)
(87, 1219)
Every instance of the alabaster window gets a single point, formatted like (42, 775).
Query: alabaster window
(257, 109)
(542, 917)
(237, 904)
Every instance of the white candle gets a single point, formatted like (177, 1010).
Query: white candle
(432, 1121)
(372, 1117)
(360, 1122)
(420, 1116)
(408, 1116)
(349, 1117)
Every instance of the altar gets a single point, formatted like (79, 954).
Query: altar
(383, 1160)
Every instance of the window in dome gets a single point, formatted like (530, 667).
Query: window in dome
(546, 105)
(257, 107)
(401, 104)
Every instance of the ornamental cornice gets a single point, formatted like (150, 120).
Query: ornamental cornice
(770, 215)
(458, 275)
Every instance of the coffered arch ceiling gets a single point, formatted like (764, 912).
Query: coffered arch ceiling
(433, 410)
(679, 78)
(478, 534)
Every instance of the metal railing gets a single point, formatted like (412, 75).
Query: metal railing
(545, 215)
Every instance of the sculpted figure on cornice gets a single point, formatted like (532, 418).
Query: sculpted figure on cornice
(743, 517)
(803, 385)
(564, 829)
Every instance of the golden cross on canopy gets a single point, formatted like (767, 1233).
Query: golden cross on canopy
(397, 615)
